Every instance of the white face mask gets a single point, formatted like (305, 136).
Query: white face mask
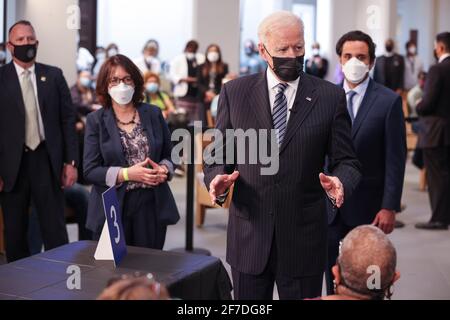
(355, 70)
(412, 50)
(316, 52)
(122, 94)
(190, 55)
(213, 56)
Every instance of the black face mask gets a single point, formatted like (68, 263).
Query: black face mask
(287, 69)
(389, 48)
(25, 53)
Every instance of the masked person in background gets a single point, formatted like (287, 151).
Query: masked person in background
(379, 137)
(155, 96)
(317, 66)
(100, 58)
(127, 144)
(149, 60)
(413, 66)
(390, 69)
(251, 63)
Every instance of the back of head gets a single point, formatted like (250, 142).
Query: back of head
(444, 38)
(367, 262)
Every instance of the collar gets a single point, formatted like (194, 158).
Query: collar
(443, 57)
(360, 89)
(20, 70)
(273, 81)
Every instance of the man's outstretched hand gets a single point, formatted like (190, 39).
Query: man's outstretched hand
(334, 189)
(221, 184)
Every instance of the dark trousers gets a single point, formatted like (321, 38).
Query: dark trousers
(437, 163)
(336, 233)
(260, 287)
(140, 223)
(35, 183)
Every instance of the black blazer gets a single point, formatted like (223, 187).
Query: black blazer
(103, 149)
(390, 71)
(434, 110)
(58, 117)
(203, 81)
(379, 137)
(288, 206)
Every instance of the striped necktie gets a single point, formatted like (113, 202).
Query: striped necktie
(351, 112)
(280, 112)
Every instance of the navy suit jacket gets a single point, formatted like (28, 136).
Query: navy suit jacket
(58, 117)
(286, 209)
(103, 149)
(379, 138)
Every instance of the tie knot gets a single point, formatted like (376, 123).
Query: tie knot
(351, 94)
(281, 87)
(26, 72)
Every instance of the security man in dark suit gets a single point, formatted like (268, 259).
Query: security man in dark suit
(277, 231)
(38, 144)
(379, 137)
(434, 135)
(390, 69)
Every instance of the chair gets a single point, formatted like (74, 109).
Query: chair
(202, 199)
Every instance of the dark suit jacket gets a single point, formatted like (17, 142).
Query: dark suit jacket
(58, 116)
(103, 149)
(434, 110)
(289, 206)
(379, 137)
(390, 71)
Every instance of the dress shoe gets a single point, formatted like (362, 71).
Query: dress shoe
(398, 224)
(432, 226)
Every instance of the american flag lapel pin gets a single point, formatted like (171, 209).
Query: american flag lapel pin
(43, 79)
(309, 99)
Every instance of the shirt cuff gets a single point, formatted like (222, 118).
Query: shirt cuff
(169, 166)
(111, 176)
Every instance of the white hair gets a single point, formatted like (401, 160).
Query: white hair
(273, 23)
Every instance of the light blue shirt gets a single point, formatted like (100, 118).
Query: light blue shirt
(359, 96)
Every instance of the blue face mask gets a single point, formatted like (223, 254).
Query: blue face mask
(85, 82)
(152, 87)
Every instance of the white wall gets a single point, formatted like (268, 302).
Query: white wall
(130, 24)
(1, 21)
(57, 43)
(218, 21)
(443, 20)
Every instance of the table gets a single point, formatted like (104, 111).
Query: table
(44, 276)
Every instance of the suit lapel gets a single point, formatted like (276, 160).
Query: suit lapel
(367, 103)
(13, 87)
(148, 125)
(113, 130)
(303, 104)
(41, 84)
(260, 103)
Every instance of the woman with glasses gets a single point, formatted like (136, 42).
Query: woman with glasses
(127, 145)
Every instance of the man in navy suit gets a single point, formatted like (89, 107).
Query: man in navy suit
(379, 138)
(38, 144)
(277, 230)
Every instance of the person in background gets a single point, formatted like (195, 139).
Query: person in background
(100, 58)
(41, 150)
(2, 54)
(85, 60)
(366, 252)
(215, 103)
(413, 66)
(210, 76)
(127, 145)
(183, 74)
(390, 69)
(111, 50)
(434, 135)
(317, 66)
(83, 94)
(156, 97)
(252, 62)
(149, 60)
(415, 95)
(376, 113)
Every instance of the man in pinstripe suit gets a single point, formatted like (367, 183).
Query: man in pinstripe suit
(277, 230)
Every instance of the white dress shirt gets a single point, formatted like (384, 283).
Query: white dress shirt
(290, 92)
(443, 57)
(359, 96)
(20, 75)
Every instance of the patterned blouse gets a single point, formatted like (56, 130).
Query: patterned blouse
(136, 147)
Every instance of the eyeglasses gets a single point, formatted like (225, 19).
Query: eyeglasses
(115, 81)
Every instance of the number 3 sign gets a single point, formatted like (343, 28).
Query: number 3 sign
(112, 242)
